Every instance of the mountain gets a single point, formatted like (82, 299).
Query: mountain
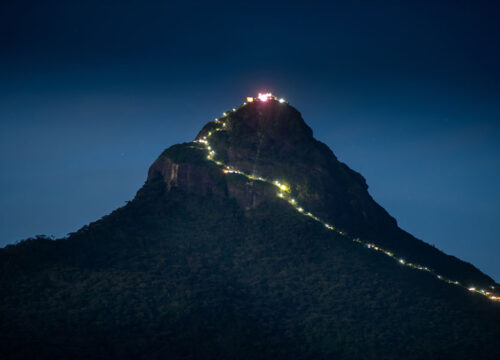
(251, 242)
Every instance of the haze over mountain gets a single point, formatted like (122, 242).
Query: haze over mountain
(252, 241)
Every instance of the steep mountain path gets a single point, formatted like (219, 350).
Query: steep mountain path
(283, 193)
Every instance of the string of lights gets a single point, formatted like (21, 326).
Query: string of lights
(285, 194)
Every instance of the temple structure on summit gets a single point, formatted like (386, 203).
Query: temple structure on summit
(264, 97)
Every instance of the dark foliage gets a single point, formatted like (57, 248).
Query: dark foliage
(177, 276)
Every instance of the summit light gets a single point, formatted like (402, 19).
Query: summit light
(265, 97)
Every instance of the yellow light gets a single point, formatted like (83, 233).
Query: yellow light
(284, 188)
(250, 99)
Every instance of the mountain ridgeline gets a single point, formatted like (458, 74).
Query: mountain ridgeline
(251, 242)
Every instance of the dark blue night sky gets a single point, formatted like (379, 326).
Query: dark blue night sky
(408, 94)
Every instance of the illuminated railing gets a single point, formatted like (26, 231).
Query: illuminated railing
(284, 193)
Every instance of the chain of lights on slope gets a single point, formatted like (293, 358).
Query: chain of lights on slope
(284, 193)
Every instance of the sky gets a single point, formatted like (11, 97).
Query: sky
(406, 93)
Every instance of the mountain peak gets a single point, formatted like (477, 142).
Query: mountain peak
(252, 228)
(264, 115)
(264, 149)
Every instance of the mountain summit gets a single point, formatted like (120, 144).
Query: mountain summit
(266, 141)
(252, 241)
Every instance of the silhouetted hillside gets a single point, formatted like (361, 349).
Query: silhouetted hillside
(252, 242)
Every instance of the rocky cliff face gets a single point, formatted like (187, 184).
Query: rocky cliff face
(192, 178)
(185, 167)
(273, 141)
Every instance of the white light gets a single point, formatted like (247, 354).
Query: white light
(265, 97)
(282, 101)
